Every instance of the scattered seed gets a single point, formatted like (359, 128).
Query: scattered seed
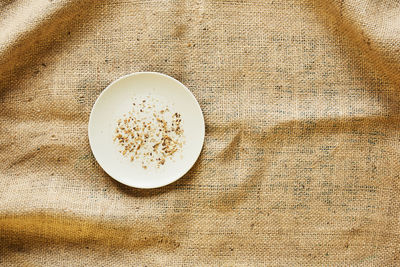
(140, 140)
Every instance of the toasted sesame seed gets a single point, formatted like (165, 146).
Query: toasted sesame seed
(139, 138)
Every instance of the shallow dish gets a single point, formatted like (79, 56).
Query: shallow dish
(116, 100)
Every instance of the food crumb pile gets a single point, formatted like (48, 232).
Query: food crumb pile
(150, 133)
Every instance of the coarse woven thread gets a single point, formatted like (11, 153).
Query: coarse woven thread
(300, 161)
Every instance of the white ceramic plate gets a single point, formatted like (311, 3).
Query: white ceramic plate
(116, 100)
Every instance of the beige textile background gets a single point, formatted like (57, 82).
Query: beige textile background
(300, 164)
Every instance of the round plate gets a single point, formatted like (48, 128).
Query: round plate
(116, 100)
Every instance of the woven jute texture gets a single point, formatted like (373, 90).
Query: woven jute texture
(300, 164)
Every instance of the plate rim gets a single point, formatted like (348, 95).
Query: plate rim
(168, 77)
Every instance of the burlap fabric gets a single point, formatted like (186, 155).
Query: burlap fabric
(300, 164)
